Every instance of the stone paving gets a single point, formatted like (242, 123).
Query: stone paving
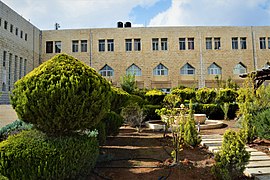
(259, 162)
(7, 115)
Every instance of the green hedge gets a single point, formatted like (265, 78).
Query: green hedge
(184, 94)
(119, 99)
(206, 95)
(227, 95)
(113, 122)
(155, 97)
(262, 123)
(149, 112)
(33, 155)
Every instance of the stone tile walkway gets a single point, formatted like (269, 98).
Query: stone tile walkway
(259, 162)
(7, 115)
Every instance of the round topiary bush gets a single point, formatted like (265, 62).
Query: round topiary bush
(61, 96)
(34, 155)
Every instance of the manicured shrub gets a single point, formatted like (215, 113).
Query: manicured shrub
(184, 94)
(227, 96)
(172, 101)
(34, 155)
(232, 158)
(133, 115)
(119, 99)
(101, 136)
(113, 122)
(150, 112)
(134, 99)
(155, 97)
(128, 83)
(206, 95)
(262, 123)
(61, 96)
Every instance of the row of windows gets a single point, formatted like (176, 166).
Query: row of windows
(264, 43)
(161, 70)
(75, 45)
(12, 29)
(8, 66)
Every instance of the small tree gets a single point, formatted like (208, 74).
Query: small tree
(225, 109)
(128, 83)
(232, 157)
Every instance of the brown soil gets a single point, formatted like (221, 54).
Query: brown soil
(146, 155)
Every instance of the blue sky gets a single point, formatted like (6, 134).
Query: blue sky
(106, 13)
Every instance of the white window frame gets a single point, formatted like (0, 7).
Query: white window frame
(208, 43)
(106, 71)
(217, 43)
(214, 69)
(57, 46)
(187, 69)
(101, 45)
(134, 70)
(182, 43)
(128, 44)
(190, 43)
(75, 46)
(239, 69)
(83, 45)
(164, 44)
(110, 44)
(155, 44)
(160, 70)
(137, 44)
(234, 42)
(243, 42)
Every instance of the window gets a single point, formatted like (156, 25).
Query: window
(187, 69)
(235, 43)
(5, 24)
(20, 70)
(83, 45)
(190, 43)
(11, 28)
(49, 47)
(57, 46)
(128, 45)
(137, 44)
(214, 69)
(208, 42)
(16, 31)
(267, 65)
(155, 44)
(243, 42)
(4, 58)
(15, 68)
(164, 44)
(25, 36)
(21, 34)
(110, 44)
(217, 43)
(75, 46)
(24, 67)
(239, 69)
(134, 70)
(0, 21)
(160, 70)
(182, 43)
(101, 45)
(9, 71)
(268, 42)
(262, 43)
(106, 71)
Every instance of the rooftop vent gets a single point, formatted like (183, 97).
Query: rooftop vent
(120, 24)
(128, 25)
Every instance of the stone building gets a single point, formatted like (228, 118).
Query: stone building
(160, 57)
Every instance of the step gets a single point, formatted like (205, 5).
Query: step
(254, 164)
(259, 158)
(257, 153)
(257, 171)
(204, 143)
(262, 177)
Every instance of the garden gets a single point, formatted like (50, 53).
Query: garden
(73, 124)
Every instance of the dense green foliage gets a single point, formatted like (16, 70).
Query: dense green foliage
(128, 83)
(150, 112)
(172, 101)
(155, 97)
(133, 115)
(206, 95)
(113, 122)
(101, 136)
(62, 95)
(33, 155)
(232, 158)
(119, 99)
(137, 99)
(262, 123)
(227, 95)
(184, 94)
(17, 126)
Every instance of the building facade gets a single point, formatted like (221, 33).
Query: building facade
(160, 57)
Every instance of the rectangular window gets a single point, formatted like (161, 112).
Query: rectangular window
(4, 58)
(243, 42)
(128, 45)
(217, 43)
(15, 68)
(83, 45)
(182, 43)
(268, 42)
(101, 45)
(24, 67)
(21, 34)
(155, 44)
(20, 70)
(137, 44)
(262, 43)
(5, 24)
(75, 46)
(49, 47)
(235, 43)
(110, 44)
(11, 28)
(16, 31)
(191, 43)
(0, 21)
(9, 71)
(25, 37)
(57, 46)
(208, 43)
(164, 44)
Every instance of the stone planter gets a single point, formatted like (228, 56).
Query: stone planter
(200, 118)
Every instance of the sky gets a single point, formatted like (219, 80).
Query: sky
(76, 14)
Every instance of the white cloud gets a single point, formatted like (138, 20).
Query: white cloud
(76, 13)
(214, 12)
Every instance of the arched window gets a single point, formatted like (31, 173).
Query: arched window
(106, 71)
(214, 69)
(134, 70)
(187, 69)
(160, 70)
(239, 69)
